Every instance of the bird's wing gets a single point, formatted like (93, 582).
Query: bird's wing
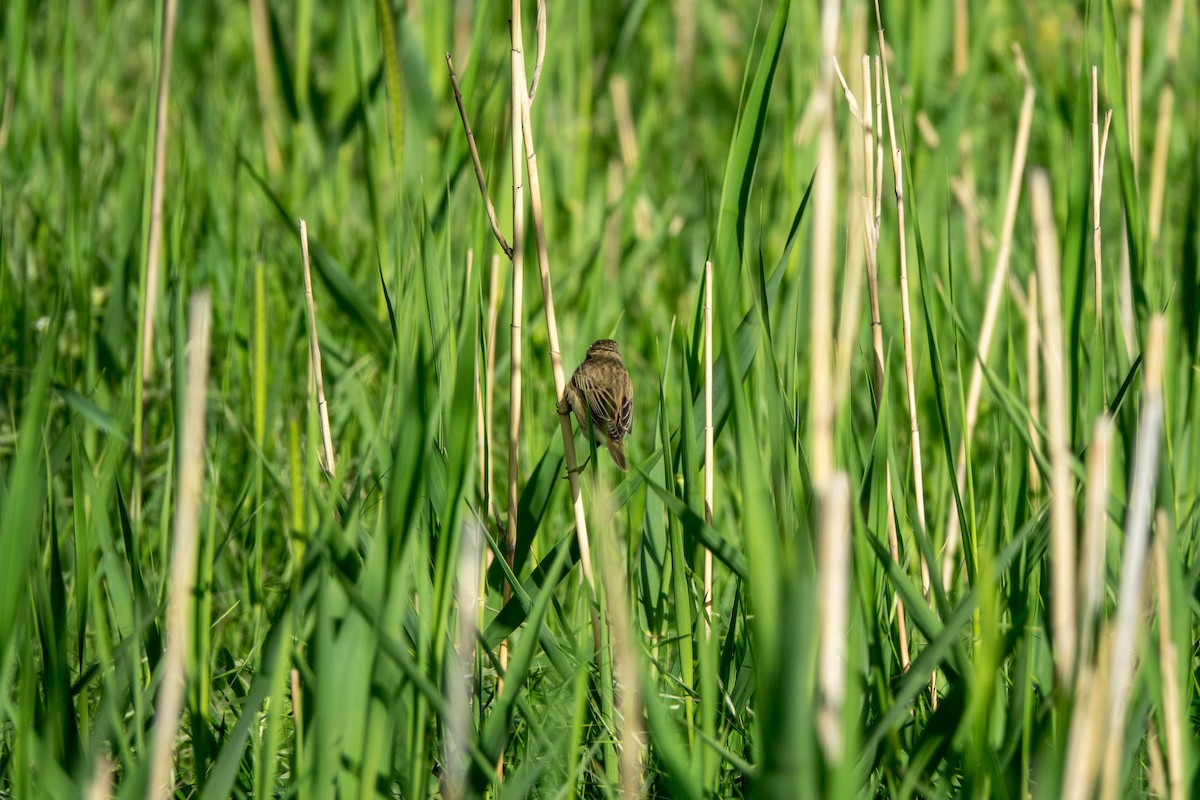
(622, 422)
(601, 401)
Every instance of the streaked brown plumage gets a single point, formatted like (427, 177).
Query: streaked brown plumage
(600, 392)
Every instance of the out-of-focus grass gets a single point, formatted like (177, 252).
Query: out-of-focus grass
(325, 655)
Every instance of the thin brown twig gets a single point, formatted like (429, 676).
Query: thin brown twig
(479, 176)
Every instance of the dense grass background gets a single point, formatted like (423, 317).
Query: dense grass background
(333, 647)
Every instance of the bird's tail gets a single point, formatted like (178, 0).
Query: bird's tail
(617, 451)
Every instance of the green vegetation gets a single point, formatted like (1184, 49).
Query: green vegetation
(332, 602)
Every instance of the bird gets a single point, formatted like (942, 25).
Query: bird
(601, 396)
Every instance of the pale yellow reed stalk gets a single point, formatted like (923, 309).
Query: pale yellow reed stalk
(833, 597)
(1162, 131)
(1062, 491)
(1130, 596)
(169, 704)
(1091, 567)
(820, 398)
(1173, 727)
(871, 201)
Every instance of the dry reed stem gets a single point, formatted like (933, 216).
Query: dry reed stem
(905, 316)
(1162, 132)
(906, 328)
(459, 687)
(1134, 121)
(833, 595)
(560, 377)
(1092, 559)
(99, 787)
(297, 716)
(1156, 774)
(314, 351)
(518, 96)
(709, 467)
(618, 87)
(1134, 71)
(481, 443)
(490, 378)
(871, 206)
(630, 733)
(1033, 339)
(991, 311)
(479, 176)
(264, 73)
(183, 550)
(1087, 725)
(1168, 656)
(157, 188)
(820, 398)
(1062, 494)
(540, 51)
(1130, 600)
(878, 183)
(851, 295)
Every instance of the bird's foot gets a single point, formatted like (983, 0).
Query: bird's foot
(578, 469)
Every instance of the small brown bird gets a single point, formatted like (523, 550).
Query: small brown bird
(601, 395)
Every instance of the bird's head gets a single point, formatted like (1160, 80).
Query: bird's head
(604, 346)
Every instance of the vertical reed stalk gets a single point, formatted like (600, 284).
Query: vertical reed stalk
(1162, 130)
(833, 595)
(518, 289)
(149, 278)
(490, 382)
(871, 205)
(264, 72)
(906, 324)
(183, 551)
(821, 400)
(906, 316)
(1130, 600)
(1091, 587)
(1062, 494)
(560, 378)
(1033, 380)
(1168, 657)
